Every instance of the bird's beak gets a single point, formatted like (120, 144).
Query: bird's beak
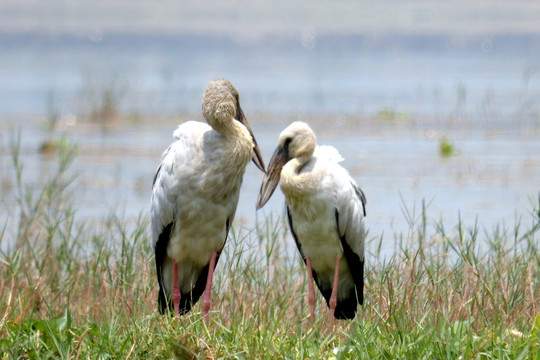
(257, 157)
(271, 180)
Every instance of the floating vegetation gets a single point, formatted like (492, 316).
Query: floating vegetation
(446, 148)
(48, 146)
(50, 143)
(106, 111)
(390, 114)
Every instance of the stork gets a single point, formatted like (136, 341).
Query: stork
(325, 210)
(194, 197)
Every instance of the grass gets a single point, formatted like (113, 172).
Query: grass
(77, 290)
(50, 144)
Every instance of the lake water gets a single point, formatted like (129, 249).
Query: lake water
(385, 110)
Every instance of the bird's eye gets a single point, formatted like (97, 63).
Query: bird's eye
(287, 141)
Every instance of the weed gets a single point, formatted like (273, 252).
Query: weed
(50, 144)
(72, 289)
(390, 114)
(446, 149)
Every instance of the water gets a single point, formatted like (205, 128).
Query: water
(158, 76)
(486, 103)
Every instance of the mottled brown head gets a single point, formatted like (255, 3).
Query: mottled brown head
(221, 106)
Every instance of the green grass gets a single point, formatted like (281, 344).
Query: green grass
(79, 290)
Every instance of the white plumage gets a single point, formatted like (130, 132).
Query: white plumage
(325, 209)
(195, 195)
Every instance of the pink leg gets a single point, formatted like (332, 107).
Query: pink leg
(208, 289)
(176, 290)
(311, 292)
(333, 298)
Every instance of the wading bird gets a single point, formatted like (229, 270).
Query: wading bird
(195, 194)
(325, 209)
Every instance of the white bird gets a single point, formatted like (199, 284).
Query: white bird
(195, 194)
(325, 209)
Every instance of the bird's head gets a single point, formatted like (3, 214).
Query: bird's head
(221, 107)
(298, 142)
(220, 102)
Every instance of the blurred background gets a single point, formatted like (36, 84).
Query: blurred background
(429, 102)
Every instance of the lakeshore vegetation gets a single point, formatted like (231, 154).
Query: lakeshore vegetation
(72, 289)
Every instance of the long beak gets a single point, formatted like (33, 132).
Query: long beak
(271, 180)
(257, 157)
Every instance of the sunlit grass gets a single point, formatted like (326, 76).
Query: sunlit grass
(74, 289)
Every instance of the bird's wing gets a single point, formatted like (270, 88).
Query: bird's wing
(291, 227)
(350, 212)
(328, 153)
(162, 215)
(325, 291)
(165, 192)
(189, 137)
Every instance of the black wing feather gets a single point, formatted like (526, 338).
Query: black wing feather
(356, 265)
(361, 196)
(160, 252)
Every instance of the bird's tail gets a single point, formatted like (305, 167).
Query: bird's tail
(346, 308)
(186, 299)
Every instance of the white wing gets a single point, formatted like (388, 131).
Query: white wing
(328, 153)
(350, 213)
(351, 207)
(173, 161)
(350, 200)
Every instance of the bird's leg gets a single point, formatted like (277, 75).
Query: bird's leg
(311, 292)
(333, 298)
(208, 289)
(176, 290)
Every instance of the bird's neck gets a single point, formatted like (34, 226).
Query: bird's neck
(299, 184)
(238, 140)
(230, 128)
(296, 178)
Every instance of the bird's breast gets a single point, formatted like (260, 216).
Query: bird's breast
(199, 230)
(316, 231)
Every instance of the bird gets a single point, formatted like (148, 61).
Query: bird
(195, 194)
(325, 211)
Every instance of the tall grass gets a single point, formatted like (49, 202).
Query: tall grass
(75, 289)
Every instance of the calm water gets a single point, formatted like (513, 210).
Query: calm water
(161, 76)
(486, 103)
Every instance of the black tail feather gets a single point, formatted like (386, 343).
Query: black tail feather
(160, 251)
(187, 300)
(346, 307)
